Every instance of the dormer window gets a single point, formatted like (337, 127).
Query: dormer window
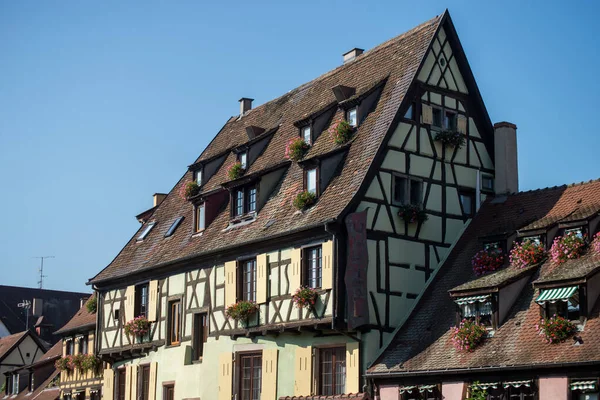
(495, 247)
(146, 231)
(244, 201)
(577, 231)
(242, 158)
(352, 117)
(311, 181)
(306, 134)
(476, 308)
(537, 240)
(200, 218)
(563, 302)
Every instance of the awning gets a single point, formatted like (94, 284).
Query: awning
(584, 385)
(404, 389)
(427, 388)
(473, 299)
(554, 295)
(488, 385)
(517, 384)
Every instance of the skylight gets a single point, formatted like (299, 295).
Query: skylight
(146, 231)
(173, 226)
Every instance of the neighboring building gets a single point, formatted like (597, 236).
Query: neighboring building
(49, 310)
(241, 239)
(514, 361)
(78, 338)
(19, 350)
(37, 381)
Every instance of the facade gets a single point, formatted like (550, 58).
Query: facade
(514, 361)
(238, 238)
(19, 350)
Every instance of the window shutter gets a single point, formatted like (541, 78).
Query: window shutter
(134, 382)
(426, 114)
(269, 375)
(225, 376)
(295, 271)
(128, 383)
(108, 387)
(461, 124)
(327, 264)
(262, 278)
(303, 371)
(152, 382)
(129, 303)
(152, 300)
(352, 368)
(230, 283)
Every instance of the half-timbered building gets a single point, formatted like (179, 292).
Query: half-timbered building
(389, 201)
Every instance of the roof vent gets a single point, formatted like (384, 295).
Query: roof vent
(352, 54)
(245, 105)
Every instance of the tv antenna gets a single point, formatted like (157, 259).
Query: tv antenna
(26, 305)
(41, 270)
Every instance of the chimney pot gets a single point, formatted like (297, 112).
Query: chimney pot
(158, 198)
(245, 105)
(352, 54)
(505, 149)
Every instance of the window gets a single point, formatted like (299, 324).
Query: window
(169, 392)
(121, 384)
(31, 382)
(116, 314)
(69, 346)
(313, 267)
(248, 280)
(146, 231)
(141, 300)
(198, 177)
(450, 121)
(251, 200)
(239, 202)
(250, 376)
(15, 384)
(406, 190)
(244, 201)
(174, 226)
(487, 183)
(83, 344)
(467, 201)
(95, 394)
(577, 231)
(174, 322)
(584, 389)
(144, 382)
(423, 392)
(306, 134)
(568, 309)
(352, 117)
(332, 371)
(538, 239)
(200, 334)
(311, 181)
(437, 117)
(476, 308)
(243, 158)
(520, 393)
(495, 247)
(200, 218)
(444, 119)
(561, 301)
(410, 113)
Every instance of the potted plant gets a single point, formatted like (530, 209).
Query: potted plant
(527, 253)
(567, 247)
(467, 335)
(65, 363)
(241, 311)
(189, 190)
(596, 243)
(304, 199)
(92, 305)
(341, 132)
(137, 327)
(296, 149)
(305, 297)
(235, 170)
(487, 260)
(450, 138)
(412, 213)
(556, 329)
(89, 362)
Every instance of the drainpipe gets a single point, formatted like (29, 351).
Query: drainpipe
(478, 191)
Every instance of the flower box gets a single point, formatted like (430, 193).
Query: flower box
(242, 310)
(450, 138)
(137, 327)
(304, 199)
(487, 260)
(567, 247)
(296, 149)
(189, 190)
(527, 253)
(305, 297)
(467, 335)
(65, 363)
(235, 170)
(412, 213)
(341, 132)
(556, 329)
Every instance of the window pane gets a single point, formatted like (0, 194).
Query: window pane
(242, 159)
(239, 202)
(352, 117)
(467, 203)
(409, 112)
(437, 117)
(450, 121)
(415, 192)
(311, 180)
(252, 200)
(399, 189)
(314, 267)
(199, 177)
(249, 280)
(200, 218)
(306, 134)
(250, 376)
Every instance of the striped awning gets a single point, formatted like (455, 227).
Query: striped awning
(404, 389)
(584, 385)
(488, 385)
(557, 294)
(473, 299)
(517, 384)
(427, 388)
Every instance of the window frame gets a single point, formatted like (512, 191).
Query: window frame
(198, 176)
(243, 155)
(200, 332)
(253, 355)
(306, 269)
(493, 316)
(166, 388)
(319, 369)
(141, 385)
(407, 189)
(121, 385)
(82, 346)
(171, 340)
(199, 209)
(310, 134)
(349, 112)
(470, 193)
(70, 346)
(444, 111)
(317, 179)
(242, 283)
(489, 178)
(245, 190)
(146, 231)
(140, 307)
(174, 227)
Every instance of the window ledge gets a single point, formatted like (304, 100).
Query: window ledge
(169, 346)
(197, 361)
(199, 233)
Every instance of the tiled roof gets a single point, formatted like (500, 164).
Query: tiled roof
(44, 392)
(395, 61)
(495, 280)
(7, 343)
(423, 342)
(81, 320)
(350, 396)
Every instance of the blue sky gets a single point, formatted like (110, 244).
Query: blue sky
(103, 104)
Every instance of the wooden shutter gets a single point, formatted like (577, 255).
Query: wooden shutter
(426, 114)
(152, 382)
(352, 368)
(129, 303)
(327, 264)
(269, 375)
(262, 278)
(225, 378)
(461, 124)
(108, 387)
(128, 383)
(134, 382)
(295, 270)
(230, 283)
(152, 300)
(303, 371)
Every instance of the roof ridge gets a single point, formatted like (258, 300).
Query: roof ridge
(564, 185)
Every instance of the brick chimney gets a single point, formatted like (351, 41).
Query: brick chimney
(352, 54)
(158, 198)
(505, 148)
(245, 105)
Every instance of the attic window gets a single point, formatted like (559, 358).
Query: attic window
(577, 231)
(173, 227)
(146, 231)
(306, 134)
(311, 180)
(537, 239)
(495, 247)
(563, 302)
(476, 308)
(352, 117)
(487, 183)
(200, 218)
(242, 158)
(244, 201)
(198, 177)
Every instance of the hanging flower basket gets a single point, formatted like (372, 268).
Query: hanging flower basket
(296, 149)
(304, 199)
(137, 327)
(556, 329)
(235, 170)
(486, 261)
(412, 213)
(567, 247)
(65, 363)
(527, 253)
(341, 132)
(305, 297)
(596, 243)
(450, 138)
(92, 305)
(242, 310)
(189, 190)
(467, 335)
